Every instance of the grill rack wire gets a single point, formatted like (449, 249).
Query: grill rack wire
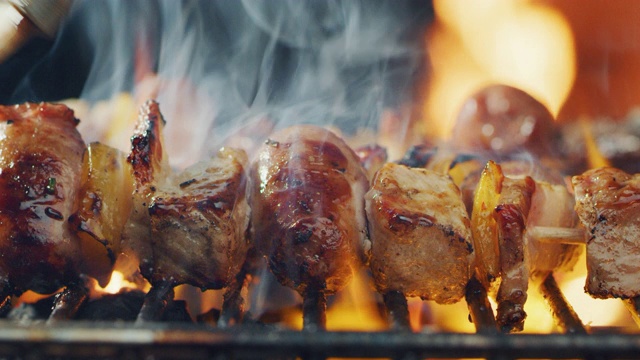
(162, 340)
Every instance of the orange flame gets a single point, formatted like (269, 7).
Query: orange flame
(473, 44)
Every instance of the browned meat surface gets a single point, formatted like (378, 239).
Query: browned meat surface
(511, 216)
(188, 227)
(307, 201)
(199, 222)
(420, 234)
(40, 166)
(504, 120)
(608, 204)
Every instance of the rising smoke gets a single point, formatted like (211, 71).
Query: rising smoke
(224, 65)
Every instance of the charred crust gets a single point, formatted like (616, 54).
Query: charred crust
(510, 316)
(53, 213)
(302, 237)
(184, 184)
(462, 158)
(417, 156)
(469, 247)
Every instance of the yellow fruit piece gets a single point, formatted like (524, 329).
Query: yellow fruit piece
(104, 206)
(483, 224)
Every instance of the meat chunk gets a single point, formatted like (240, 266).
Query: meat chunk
(608, 203)
(188, 227)
(199, 222)
(511, 216)
(40, 167)
(307, 201)
(504, 120)
(420, 234)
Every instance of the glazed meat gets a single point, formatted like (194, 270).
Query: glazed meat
(607, 203)
(188, 227)
(40, 167)
(420, 234)
(307, 201)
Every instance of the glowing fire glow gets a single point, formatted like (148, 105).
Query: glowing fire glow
(117, 283)
(474, 44)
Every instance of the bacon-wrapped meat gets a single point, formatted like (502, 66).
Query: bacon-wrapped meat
(307, 201)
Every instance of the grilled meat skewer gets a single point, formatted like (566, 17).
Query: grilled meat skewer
(307, 200)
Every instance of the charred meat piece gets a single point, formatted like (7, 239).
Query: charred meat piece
(40, 170)
(420, 234)
(608, 204)
(307, 202)
(188, 227)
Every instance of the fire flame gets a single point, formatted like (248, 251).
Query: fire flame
(473, 44)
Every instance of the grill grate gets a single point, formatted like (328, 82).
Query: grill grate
(81, 339)
(194, 341)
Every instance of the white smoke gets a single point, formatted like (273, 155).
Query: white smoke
(227, 65)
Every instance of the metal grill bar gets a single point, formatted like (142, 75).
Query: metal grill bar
(161, 341)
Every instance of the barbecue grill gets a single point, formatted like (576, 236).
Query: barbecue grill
(81, 339)
(29, 337)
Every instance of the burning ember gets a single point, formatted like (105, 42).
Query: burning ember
(329, 168)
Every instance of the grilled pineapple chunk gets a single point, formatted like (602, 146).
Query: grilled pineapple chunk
(484, 226)
(104, 208)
